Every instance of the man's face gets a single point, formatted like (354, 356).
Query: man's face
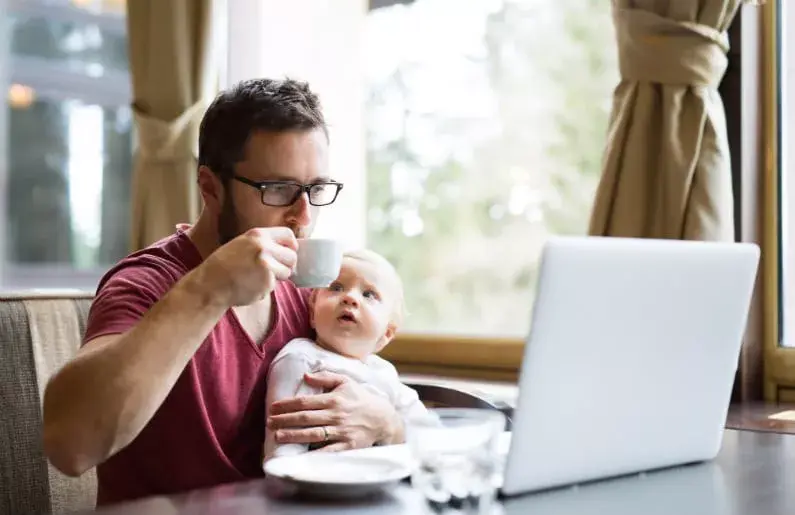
(300, 156)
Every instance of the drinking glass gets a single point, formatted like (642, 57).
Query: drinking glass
(457, 458)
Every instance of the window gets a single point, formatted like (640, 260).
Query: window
(485, 129)
(68, 143)
(465, 133)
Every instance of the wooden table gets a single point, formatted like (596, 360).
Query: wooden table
(753, 474)
(775, 418)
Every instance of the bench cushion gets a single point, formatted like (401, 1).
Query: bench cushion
(39, 332)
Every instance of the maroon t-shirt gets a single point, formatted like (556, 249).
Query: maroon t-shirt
(210, 428)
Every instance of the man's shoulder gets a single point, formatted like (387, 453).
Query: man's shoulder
(134, 284)
(156, 267)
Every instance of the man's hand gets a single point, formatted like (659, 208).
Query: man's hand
(348, 417)
(245, 269)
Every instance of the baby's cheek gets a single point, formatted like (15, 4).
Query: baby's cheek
(323, 322)
(367, 327)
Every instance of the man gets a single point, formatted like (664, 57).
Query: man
(167, 393)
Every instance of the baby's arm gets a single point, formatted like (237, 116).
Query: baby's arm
(411, 408)
(285, 381)
(404, 398)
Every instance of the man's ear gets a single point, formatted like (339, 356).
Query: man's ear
(389, 334)
(311, 304)
(211, 189)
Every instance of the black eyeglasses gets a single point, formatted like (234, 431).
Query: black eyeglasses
(285, 193)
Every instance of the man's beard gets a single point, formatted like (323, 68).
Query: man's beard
(229, 226)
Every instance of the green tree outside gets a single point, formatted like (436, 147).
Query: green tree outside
(465, 223)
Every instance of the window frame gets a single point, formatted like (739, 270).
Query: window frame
(469, 357)
(54, 81)
(778, 91)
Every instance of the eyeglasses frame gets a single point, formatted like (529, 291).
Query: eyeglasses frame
(302, 188)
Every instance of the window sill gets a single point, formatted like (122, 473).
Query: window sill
(490, 359)
(22, 277)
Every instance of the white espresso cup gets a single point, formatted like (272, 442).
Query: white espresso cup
(318, 264)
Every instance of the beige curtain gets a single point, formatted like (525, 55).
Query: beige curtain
(667, 172)
(172, 66)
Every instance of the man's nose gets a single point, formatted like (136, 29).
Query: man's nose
(300, 212)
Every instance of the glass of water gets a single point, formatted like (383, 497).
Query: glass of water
(458, 463)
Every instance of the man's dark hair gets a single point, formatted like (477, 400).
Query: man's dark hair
(250, 106)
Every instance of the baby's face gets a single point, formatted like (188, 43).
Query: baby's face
(353, 316)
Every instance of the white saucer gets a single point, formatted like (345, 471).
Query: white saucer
(338, 474)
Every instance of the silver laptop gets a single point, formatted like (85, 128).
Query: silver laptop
(630, 358)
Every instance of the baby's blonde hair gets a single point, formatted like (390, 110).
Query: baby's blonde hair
(377, 259)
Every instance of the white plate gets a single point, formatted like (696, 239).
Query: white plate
(338, 474)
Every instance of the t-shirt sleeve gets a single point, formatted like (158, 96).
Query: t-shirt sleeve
(286, 380)
(124, 297)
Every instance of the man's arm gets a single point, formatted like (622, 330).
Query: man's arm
(99, 402)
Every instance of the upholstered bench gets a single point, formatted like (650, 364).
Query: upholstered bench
(39, 332)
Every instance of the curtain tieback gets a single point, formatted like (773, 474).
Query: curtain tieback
(655, 49)
(168, 141)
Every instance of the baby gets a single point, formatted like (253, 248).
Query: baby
(354, 318)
